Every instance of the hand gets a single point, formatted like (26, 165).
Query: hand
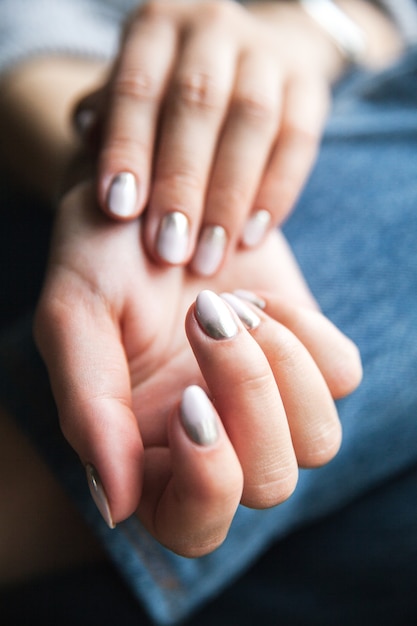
(222, 108)
(110, 326)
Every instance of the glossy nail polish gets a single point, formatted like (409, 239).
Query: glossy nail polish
(255, 228)
(122, 196)
(198, 416)
(99, 495)
(210, 250)
(242, 310)
(172, 242)
(214, 316)
(250, 297)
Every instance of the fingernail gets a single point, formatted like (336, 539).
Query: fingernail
(210, 250)
(198, 416)
(255, 228)
(215, 316)
(84, 120)
(245, 313)
(122, 196)
(172, 243)
(99, 495)
(250, 297)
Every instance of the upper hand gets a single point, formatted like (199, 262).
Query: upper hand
(212, 118)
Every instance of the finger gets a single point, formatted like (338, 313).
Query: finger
(192, 491)
(136, 91)
(245, 143)
(311, 412)
(247, 399)
(90, 381)
(194, 112)
(304, 111)
(335, 354)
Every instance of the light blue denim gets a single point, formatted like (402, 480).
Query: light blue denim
(355, 235)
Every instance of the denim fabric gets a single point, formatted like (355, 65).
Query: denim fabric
(354, 233)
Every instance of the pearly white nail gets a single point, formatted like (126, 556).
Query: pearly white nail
(172, 243)
(255, 228)
(99, 495)
(245, 313)
(214, 316)
(198, 416)
(250, 297)
(122, 196)
(210, 250)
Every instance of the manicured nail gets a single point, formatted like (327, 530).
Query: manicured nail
(214, 316)
(172, 243)
(255, 228)
(210, 250)
(250, 297)
(198, 416)
(122, 196)
(245, 313)
(99, 495)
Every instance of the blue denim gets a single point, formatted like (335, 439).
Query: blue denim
(354, 232)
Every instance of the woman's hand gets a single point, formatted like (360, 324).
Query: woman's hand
(212, 119)
(110, 326)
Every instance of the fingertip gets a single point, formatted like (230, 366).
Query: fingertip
(122, 197)
(198, 417)
(347, 371)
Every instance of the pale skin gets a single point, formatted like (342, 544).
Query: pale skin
(53, 86)
(110, 326)
(222, 108)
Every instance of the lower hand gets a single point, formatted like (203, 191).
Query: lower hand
(110, 326)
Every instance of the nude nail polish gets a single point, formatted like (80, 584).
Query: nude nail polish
(214, 316)
(122, 196)
(245, 313)
(255, 228)
(210, 250)
(99, 495)
(198, 416)
(172, 242)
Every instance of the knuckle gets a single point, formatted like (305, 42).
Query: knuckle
(219, 13)
(123, 150)
(180, 179)
(152, 9)
(322, 448)
(198, 546)
(138, 85)
(299, 135)
(231, 195)
(255, 109)
(274, 488)
(199, 91)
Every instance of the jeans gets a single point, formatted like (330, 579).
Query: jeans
(343, 548)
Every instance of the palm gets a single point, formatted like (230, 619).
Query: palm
(99, 266)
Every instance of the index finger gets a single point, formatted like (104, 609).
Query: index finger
(136, 89)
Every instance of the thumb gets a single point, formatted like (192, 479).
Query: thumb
(82, 349)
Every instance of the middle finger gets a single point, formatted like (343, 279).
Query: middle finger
(192, 117)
